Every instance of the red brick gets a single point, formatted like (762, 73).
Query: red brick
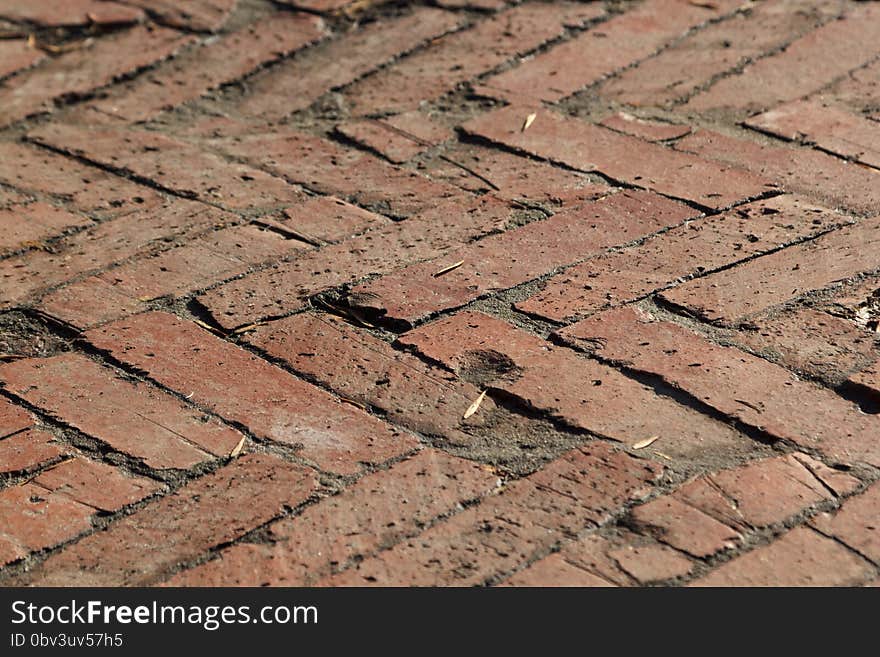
(745, 387)
(578, 391)
(28, 450)
(13, 418)
(834, 130)
(199, 70)
(373, 514)
(10, 551)
(580, 489)
(86, 188)
(800, 558)
(727, 297)
(249, 391)
(329, 168)
(587, 147)
(480, 169)
(18, 55)
(328, 219)
(817, 175)
(811, 342)
(34, 518)
(369, 371)
(296, 84)
(859, 90)
(764, 492)
(473, 4)
(95, 484)
(175, 165)
(78, 13)
(398, 138)
(605, 48)
(555, 571)
(458, 57)
(680, 253)
(210, 511)
(651, 563)
(685, 527)
(25, 275)
(81, 71)
(323, 6)
(130, 417)
(26, 225)
(499, 262)
(855, 523)
(123, 290)
(806, 65)
(286, 288)
(643, 129)
(685, 67)
(209, 15)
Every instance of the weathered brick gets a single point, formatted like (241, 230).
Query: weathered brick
(328, 219)
(685, 67)
(480, 169)
(398, 138)
(34, 518)
(13, 418)
(329, 168)
(764, 492)
(369, 371)
(811, 342)
(206, 512)
(209, 15)
(17, 55)
(800, 558)
(727, 297)
(458, 57)
(855, 523)
(86, 69)
(514, 257)
(742, 386)
(605, 48)
(281, 290)
(296, 84)
(680, 253)
(685, 527)
(831, 129)
(589, 147)
(373, 514)
(75, 13)
(643, 129)
(859, 90)
(86, 188)
(131, 417)
(555, 571)
(578, 391)
(651, 563)
(176, 165)
(22, 226)
(249, 391)
(216, 63)
(579, 490)
(123, 290)
(806, 65)
(28, 450)
(25, 275)
(816, 175)
(95, 484)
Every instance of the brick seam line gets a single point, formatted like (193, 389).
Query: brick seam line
(745, 62)
(572, 98)
(846, 220)
(256, 536)
(48, 242)
(751, 539)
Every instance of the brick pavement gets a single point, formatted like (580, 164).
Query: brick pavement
(480, 293)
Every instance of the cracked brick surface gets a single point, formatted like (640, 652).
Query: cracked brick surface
(452, 293)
